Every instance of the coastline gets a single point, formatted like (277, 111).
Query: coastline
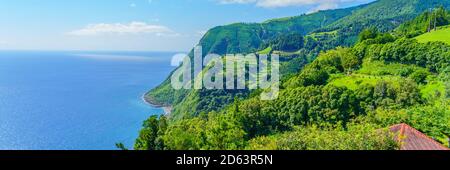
(167, 108)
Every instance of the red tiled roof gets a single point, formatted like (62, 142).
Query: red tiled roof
(412, 139)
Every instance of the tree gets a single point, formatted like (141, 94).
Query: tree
(289, 42)
(224, 132)
(121, 146)
(148, 135)
(419, 76)
(366, 34)
(384, 94)
(186, 134)
(146, 140)
(162, 127)
(408, 94)
(349, 61)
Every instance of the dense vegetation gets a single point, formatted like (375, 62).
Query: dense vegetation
(288, 42)
(320, 31)
(317, 111)
(426, 22)
(344, 99)
(246, 38)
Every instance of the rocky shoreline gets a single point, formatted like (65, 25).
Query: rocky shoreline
(167, 108)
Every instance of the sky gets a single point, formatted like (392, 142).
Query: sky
(135, 25)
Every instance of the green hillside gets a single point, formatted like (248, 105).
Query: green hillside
(380, 76)
(340, 101)
(428, 21)
(441, 35)
(323, 30)
(249, 37)
(241, 38)
(385, 15)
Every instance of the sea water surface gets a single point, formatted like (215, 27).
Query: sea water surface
(76, 100)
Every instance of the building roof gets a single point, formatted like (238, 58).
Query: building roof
(412, 139)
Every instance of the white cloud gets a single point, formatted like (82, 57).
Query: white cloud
(319, 4)
(120, 29)
(324, 6)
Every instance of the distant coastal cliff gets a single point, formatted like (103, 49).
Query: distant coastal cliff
(167, 108)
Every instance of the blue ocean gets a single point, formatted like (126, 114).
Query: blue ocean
(76, 100)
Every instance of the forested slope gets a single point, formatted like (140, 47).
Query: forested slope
(321, 31)
(344, 99)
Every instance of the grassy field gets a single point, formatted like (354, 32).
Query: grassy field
(265, 51)
(354, 81)
(379, 68)
(373, 72)
(323, 35)
(442, 35)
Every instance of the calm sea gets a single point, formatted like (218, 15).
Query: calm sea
(76, 100)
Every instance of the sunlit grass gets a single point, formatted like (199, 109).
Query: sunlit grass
(357, 80)
(442, 35)
(433, 89)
